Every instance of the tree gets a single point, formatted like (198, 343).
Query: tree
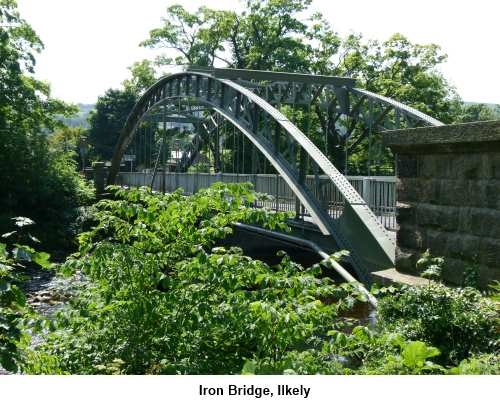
(270, 36)
(402, 70)
(479, 112)
(72, 140)
(24, 101)
(143, 77)
(283, 35)
(31, 174)
(196, 37)
(107, 121)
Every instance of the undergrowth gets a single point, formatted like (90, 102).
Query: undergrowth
(162, 297)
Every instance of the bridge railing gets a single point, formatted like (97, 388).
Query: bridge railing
(378, 191)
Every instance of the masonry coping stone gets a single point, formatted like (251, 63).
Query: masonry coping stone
(468, 137)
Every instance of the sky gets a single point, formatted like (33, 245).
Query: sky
(90, 43)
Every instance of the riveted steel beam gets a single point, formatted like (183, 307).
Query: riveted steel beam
(268, 76)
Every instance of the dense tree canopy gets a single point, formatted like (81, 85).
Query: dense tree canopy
(284, 35)
(31, 173)
(143, 76)
(107, 120)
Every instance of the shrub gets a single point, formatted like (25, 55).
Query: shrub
(161, 298)
(14, 256)
(486, 364)
(460, 322)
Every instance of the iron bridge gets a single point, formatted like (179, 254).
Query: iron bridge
(300, 128)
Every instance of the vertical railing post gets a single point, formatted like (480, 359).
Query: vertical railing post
(367, 190)
(302, 178)
(98, 177)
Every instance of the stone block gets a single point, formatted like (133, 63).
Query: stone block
(481, 222)
(410, 237)
(493, 165)
(430, 191)
(489, 252)
(461, 246)
(405, 213)
(427, 166)
(439, 217)
(453, 271)
(436, 241)
(465, 219)
(487, 274)
(490, 165)
(454, 193)
(481, 193)
(466, 166)
(406, 260)
(492, 194)
(431, 166)
(406, 165)
(408, 189)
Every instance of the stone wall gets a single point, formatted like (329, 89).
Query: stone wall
(448, 191)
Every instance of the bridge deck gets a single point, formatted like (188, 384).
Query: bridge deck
(378, 191)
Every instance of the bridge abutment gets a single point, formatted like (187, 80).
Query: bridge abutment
(448, 192)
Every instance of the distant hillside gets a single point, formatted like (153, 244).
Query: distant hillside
(80, 118)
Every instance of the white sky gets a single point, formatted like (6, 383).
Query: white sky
(90, 43)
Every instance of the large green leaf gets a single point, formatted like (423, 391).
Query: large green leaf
(416, 353)
(42, 259)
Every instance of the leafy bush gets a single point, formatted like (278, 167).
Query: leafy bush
(367, 351)
(460, 322)
(50, 194)
(12, 300)
(430, 267)
(36, 181)
(162, 299)
(486, 364)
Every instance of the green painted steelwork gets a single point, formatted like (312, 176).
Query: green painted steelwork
(250, 102)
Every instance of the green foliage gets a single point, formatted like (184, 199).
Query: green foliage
(36, 181)
(478, 112)
(143, 77)
(14, 256)
(155, 304)
(160, 296)
(107, 120)
(460, 322)
(494, 291)
(488, 364)
(71, 141)
(471, 274)
(430, 267)
(367, 351)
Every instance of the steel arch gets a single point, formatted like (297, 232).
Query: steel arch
(357, 229)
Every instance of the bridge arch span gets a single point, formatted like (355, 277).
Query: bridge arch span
(285, 146)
